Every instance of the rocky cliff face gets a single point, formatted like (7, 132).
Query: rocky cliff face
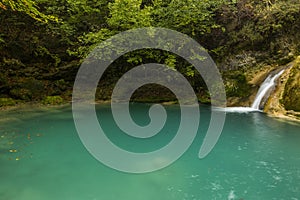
(291, 95)
(285, 100)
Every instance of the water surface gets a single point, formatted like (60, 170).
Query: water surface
(42, 158)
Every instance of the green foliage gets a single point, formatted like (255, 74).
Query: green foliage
(236, 84)
(128, 14)
(21, 93)
(27, 89)
(269, 26)
(29, 47)
(88, 41)
(53, 100)
(27, 6)
(191, 17)
(7, 102)
(170, 61)
(61, 85)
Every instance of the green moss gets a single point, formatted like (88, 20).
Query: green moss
(53, 100)
(236, 84)
(291, 95)
(7, 102)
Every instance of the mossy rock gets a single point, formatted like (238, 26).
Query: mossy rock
(291, 95)
(7, 102)
(53, 100)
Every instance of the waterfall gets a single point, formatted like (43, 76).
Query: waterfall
(264, 90)
(265, 87)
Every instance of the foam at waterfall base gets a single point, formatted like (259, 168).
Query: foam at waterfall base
(266, 86)
(237, 109)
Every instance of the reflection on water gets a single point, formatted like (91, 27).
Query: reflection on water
(41, 157)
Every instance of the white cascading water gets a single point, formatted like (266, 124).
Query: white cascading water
(269, 82)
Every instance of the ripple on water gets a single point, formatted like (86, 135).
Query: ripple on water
(240, 166)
